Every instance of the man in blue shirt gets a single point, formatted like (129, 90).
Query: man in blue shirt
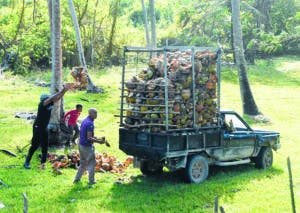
(86, 147)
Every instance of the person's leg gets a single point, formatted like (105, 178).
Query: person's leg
(83, 163)
(44, 144)
(34, 145)
(91, 165)
(70, 135)
(76, 134)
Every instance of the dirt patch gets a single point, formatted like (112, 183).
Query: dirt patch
(290, 67)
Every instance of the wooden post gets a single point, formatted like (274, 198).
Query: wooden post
(222, 210)
(216, 206)
(4, 184)
(291, 184)
(25, 208)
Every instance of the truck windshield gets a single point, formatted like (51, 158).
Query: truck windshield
(236, 122)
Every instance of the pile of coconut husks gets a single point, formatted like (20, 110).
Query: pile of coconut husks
(104, 162)
(146, 95)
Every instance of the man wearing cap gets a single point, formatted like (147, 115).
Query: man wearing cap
(40, 133)
(86, 147)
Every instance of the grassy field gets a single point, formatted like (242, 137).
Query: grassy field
(276, 87)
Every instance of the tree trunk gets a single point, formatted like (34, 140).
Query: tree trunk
(146, 23)
(83, 12)
(50, 20)
(153, 23)
(91, 86)
(231, 35)
(20, 21)
(115, 10)
(34, 11)
(249, 105)
(56, 81)
(93, 34)
(264, 7)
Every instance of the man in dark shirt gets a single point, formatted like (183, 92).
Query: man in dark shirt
(86, 147)
(40, 132)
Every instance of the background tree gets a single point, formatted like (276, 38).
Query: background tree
(114, 13)
(20, 21)
(264, 7)
(93, 36)
(146, 23)
(153, 23)
(249, 105)
(185, 22)
(91, 86)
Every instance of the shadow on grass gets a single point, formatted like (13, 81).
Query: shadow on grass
(168, 192)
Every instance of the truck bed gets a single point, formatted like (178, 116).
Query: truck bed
(159, 146)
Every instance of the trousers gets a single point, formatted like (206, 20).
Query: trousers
(76, 134)
(87, 161)
(39, 138)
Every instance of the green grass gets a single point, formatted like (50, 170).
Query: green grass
(282, 71)
(275, 85)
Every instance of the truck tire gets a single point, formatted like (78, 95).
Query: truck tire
(196, 170)
(150, 168)
(264, 159)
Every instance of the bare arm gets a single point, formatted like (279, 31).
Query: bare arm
(58, 95)
(55, 97)
(93, 139)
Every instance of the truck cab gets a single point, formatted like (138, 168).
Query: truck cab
(240, 140)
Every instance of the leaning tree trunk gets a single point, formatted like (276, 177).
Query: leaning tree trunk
(249, 105)
(56, 82)
(115, 10)
(153, 23)
(91, 86)
(146, 23)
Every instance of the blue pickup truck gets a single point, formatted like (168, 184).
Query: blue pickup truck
(226, 141)
(234, 142)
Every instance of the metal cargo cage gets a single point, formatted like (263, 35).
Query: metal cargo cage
(151, 97)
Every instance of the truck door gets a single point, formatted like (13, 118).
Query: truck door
(239, 139)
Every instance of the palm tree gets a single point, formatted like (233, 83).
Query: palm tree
(249, 105)
(56, 81)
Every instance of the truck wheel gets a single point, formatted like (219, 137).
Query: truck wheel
(264, 159)
(151, 168)
(196, 170)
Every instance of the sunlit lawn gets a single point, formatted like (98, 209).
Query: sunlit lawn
(276, 87)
